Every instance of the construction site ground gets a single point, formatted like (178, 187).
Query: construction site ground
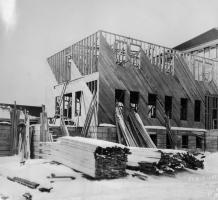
(188, 185)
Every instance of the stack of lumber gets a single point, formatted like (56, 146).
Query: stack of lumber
(138, 155)
(125, 135)
(95, 158)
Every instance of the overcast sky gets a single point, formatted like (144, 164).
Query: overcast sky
(32, 30)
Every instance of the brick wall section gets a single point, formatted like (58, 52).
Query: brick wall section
(105, 133)
(212, 141)
(192, 142)
(161, 139)
(109, 134)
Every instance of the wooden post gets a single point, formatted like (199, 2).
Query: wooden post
(27, 138)
(15, 115)
(44, 125)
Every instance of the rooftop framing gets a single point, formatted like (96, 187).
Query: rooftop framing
(85, 55)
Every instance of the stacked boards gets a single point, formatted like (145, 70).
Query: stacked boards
(95, 158)
(132, 132)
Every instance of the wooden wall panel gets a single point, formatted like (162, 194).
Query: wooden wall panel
(148, 79)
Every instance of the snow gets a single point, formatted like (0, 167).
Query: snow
(188, 185)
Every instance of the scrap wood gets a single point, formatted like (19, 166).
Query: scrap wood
(27, 196)
(54, 176)
(24, 182)
(44, 189)
(140, 176)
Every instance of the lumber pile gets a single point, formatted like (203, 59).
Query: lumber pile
(140, 133)
(125, 135)
(132, 132)
(95, 158)
(172, 162)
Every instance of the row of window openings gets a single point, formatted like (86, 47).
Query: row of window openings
(185, 141)
(152, 104)
(67, 101)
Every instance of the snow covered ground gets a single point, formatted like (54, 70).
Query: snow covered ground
(189, 185)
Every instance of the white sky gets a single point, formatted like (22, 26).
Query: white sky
(32, 30)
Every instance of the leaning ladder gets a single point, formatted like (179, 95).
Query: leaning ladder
(60, 101)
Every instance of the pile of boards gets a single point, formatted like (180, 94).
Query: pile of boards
(132, 132)
(95, 158)
(173, 161)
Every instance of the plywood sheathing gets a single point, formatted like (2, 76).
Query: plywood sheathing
(148, 79)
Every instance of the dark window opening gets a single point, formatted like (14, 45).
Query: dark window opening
(120, 97)
(168, 144)
(185, 141)
(154, 138)
(199, 142)
(183, 108)
(134, 100)
(78, 96)
(214, 118)
(92, 86)
(67, 105)
(197, 114)
(168, 106)
(152, 98)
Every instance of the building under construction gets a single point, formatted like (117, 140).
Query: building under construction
(109, 85)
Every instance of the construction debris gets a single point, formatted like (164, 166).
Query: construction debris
(140, 176)
(172, 162)
(27, 196)
(44, 189)
(54, 176)
(96, 158)
(24, 182)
